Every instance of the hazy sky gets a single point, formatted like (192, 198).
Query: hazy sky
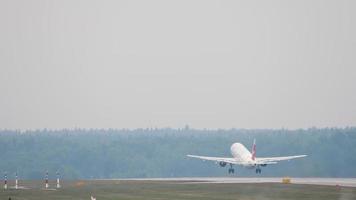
(213, 64)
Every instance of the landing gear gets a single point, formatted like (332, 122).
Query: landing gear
(258, 170)
(231, 170)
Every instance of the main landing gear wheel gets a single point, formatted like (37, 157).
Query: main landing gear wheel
(231, 170)
(258, 171)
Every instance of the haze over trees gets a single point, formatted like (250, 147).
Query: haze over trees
(162, 152)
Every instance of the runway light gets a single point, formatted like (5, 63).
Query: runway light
(58, 185)
(5, 180)
(46, 180)
(16, 181)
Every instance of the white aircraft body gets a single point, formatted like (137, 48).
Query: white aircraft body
(243, 157)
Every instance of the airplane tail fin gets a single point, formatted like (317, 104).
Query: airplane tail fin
(254, 149)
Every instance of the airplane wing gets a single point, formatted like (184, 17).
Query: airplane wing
(273, 160)
(217, 159)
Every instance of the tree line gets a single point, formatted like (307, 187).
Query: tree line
(112, 153)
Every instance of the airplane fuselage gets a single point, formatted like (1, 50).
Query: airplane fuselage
(241, 154)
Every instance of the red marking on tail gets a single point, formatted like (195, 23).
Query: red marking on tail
(254, 150)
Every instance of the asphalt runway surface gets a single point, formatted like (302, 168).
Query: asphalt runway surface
(346, 182)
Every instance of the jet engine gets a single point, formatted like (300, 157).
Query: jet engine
(222, 164)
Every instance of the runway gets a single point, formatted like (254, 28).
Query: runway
(346, 182)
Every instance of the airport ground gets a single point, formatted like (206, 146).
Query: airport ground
(177, 189)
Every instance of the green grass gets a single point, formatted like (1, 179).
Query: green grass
(177, 190)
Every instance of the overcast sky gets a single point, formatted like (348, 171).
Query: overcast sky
(209, 64)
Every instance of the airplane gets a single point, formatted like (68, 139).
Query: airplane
(243, 157)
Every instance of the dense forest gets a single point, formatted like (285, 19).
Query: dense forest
(162, 152)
